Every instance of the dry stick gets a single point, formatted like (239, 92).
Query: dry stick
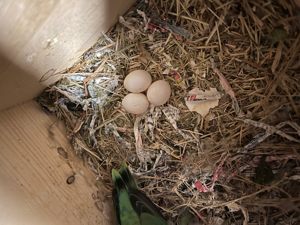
(222, 6)
(277, 57)
(271, 130)
(293, 50)
(153, 2)
(84, 74)
(82, 64)
(68, 120)
(98, 50)
(285, 87)
(78, 67)
(255, 65)
(220, 18)
(88, 79)
(200, 216)
(188, 18)
(203, 47)
(107, 121)
(185, 10)
(221, 50)
(86, 148)
(78, 125)
(274, 201)
(101, 110)
(247, 196)
(285, 20)
(177, 7)
(296, 153)
(182, 48)
(113, 92)
(169, 37)
(214, 30)
(251, 182)
(250, 12)
(243, 22)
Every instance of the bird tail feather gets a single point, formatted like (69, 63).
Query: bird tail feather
(118, 181)
(127, 177)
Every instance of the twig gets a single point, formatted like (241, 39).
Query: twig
(247, 196)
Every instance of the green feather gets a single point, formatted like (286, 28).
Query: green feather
(127, 215)
(127, 177)
(131, 205)
(148, 219)
(185, 218)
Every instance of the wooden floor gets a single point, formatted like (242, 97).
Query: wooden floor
(33, 187)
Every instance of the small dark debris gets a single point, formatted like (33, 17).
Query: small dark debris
(62, 152)
(99, 205)
(71, 179)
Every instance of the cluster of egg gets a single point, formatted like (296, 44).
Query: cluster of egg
(158, 92)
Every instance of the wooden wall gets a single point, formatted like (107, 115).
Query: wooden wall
(33, 175)
(40, 38)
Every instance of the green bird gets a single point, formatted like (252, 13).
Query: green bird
(131, 205)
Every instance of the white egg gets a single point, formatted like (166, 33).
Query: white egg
(135, 103)
(137, 81)
(159, 92)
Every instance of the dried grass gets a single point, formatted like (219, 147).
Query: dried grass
(264, 76)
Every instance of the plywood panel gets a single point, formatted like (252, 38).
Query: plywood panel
(40, 38)
(33, 187)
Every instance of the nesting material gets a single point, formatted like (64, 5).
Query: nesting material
(237, 161)
(202, 101)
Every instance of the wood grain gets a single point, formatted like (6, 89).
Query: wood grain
(41, 38)
(33, 187)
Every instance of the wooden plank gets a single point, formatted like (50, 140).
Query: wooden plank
(33, 187)
(41, 38)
